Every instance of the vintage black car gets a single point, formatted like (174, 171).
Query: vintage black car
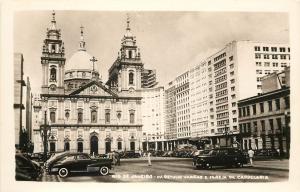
(221, 157)
(80, 162)
(27, 170)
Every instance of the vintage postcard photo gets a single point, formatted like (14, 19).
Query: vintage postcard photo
(139, 96)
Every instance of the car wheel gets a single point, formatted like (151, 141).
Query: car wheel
(63, 172)
(104, 170)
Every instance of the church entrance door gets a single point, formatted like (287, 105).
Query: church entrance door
(107, 147)
(94, 145)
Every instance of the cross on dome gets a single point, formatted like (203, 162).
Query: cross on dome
(93, 59)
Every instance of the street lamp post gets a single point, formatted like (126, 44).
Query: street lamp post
(44, 129)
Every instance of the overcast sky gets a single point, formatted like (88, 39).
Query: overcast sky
(170, 42)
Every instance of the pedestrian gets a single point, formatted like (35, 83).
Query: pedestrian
(114, 159)
(251, 154)
(117, 155)
(149, 159)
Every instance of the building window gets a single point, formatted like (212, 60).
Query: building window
(80, 147)
(266, 56)
(119, 145)
(271, 124)
(267, 64)
(274, 57)
(273, 49)
(94, 116)
(262, 110)
(254, 126)
(230, 58)
(275, 64)
(248, 110)
(287, 102)
(254, 109)
(265, 48)
(277, 101)
(258, 71)
(107, 117)
(52, 117)
(79, 117)
(258, 64)
(257, 56)
(67, 146)
(278, 120)
(257, 48)
(131, 117)
(53, 74)
(282, 56)
(131, 75)
(270, 105)
(282, 49)
(67, 115)
(129, 54)
(263, 128)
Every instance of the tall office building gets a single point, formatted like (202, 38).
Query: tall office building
(207, 95)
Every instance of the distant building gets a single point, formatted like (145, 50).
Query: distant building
(170, 115)
(206, 107)
(19, 83)
(149, 78)
(264, 120)
(153, 118)
(182, 86)
(28, 110)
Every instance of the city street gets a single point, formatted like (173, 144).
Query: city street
(181, 170)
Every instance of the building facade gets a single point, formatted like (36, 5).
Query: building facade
(264, 119)
(85, 114)
(149, 78)
(19, 83)
(153, 118)
(217, 83)
(170, 115)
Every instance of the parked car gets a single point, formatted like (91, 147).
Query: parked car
(80, 162)
(130, 154)
(54, 158)
(266, 152)
(221, 157)
(27, 170)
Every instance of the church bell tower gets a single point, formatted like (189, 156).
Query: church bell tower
(53, 61)
(125, 73)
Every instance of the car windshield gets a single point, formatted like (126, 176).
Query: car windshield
(56, 155)
(82, 156)
(67, 158)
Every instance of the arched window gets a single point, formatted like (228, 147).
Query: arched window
(80, 117)
(107, 117)
(52, 117)
(52, 147)
(131, 77)
(67, 146)
(53, 74)
(80, 147)
(119, 145)
(131, 117)
(132, 146)
(67, 115)
(94, 116)
(130, 54)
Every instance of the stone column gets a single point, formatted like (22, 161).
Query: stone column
(162, 146)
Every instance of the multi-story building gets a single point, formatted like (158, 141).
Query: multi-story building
(84, 114)
(183, 107)
(36, 122)
(149, 78)
(216, 84)
(170, 115)
(28, 110)
(153, 118)
(199, 101)
(264, 119)
(18, 97)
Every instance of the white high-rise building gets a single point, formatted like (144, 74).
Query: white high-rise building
(153, 118)
(207, 95)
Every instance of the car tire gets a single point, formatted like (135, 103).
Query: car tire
(63, 172)
(104, 170)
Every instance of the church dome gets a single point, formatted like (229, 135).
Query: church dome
(80, 60)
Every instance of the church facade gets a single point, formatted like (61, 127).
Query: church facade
(84, 113)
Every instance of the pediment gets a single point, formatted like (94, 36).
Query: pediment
(94, 89)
